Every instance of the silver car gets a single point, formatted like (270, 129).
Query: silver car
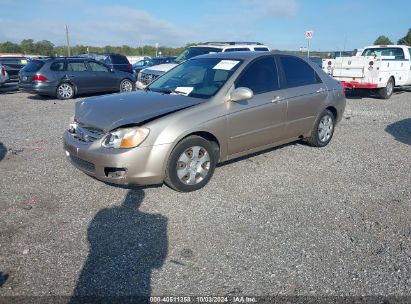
(207, 110)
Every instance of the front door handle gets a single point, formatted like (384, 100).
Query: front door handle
(320, 90)
(276, 99)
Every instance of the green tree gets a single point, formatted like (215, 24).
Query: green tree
(382, 40)
(27, 46)
(44, 47)
(9, 47)
(406, 40)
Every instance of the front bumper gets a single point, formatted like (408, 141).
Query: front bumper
(38, 88)
(142, 165)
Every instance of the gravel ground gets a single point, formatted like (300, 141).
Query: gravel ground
(294, 220)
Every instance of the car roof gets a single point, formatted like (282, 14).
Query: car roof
(234, 55)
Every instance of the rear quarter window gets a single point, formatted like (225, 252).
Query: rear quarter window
(33, 66)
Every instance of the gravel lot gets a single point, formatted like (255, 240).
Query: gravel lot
(295, 220)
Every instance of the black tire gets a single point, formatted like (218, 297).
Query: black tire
(318, 138)
(65, 91)
(173, 180)
(385, 93)
(126, 85)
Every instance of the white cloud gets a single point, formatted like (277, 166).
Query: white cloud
(114, 25)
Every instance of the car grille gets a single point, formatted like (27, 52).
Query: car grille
(87, 134)
(82, 164)
(146, 78)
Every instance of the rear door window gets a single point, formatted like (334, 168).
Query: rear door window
(237, 50)
(260, 76)
(297, 72)
(98, 67)
(76, 66)
(57, 66)
(261, 49)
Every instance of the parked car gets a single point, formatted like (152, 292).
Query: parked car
(66, 77)
(114, 61)
(149, 74)
(13, 65)
(142, 64)
(4, 77)
(207, 110)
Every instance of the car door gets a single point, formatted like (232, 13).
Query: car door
(306, 93)
(260, 120)
(80, 76)
(105, 79)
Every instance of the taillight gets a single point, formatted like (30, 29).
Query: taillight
(39, 77)
(129, 66)
(371, 62)
(329, 62)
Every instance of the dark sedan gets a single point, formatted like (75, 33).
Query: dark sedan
(142, 64)
(65, 77)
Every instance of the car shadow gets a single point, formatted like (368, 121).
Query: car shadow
(362, 93)
(3, 151)
(125, 246)
(45, 97)
(401, 130)
(250, 156)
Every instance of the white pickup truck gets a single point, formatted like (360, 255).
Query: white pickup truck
(380, 67)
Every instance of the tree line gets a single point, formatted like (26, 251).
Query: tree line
(384, 40)
(47, 48)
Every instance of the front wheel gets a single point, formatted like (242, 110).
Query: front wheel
(191, 164)
(126, 86)
(385, 93)
(65, 91)
(323, 130)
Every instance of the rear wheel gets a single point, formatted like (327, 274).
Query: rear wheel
(126, 85)
(386, 92)
(65, 91)
(323, 130)
(191, 164)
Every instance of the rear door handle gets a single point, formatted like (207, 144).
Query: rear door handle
(320, 90)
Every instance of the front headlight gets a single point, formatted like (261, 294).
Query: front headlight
(126, 138)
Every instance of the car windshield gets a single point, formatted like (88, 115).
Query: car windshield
(195, 51)
(201, 78)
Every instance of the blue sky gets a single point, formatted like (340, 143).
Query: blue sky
(280, 24)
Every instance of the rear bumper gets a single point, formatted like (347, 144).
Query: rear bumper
(38, 88)
(349, 85)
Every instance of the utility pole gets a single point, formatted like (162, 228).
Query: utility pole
(68, 41)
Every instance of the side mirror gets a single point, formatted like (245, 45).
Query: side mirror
(241, 93)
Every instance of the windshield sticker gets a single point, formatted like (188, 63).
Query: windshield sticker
(183, 90)
(225, 65)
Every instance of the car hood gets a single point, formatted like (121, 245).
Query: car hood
(115, 110)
